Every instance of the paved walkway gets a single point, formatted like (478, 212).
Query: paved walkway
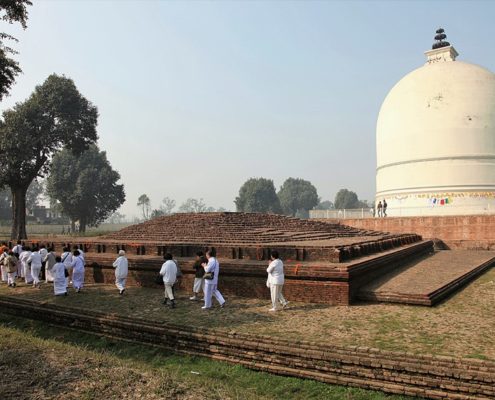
(430, 279)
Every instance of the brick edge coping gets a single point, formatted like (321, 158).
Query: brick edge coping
(431, 376)
(434, 297)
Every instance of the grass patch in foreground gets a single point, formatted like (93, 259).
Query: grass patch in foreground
(46, 362)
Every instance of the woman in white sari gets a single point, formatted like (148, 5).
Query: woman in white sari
(58, 274)
(23, 257)
(36, 263)
(77, 271)
(67, 261)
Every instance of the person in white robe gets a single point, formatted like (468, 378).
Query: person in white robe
(36, 262)
(67, 261)
(24, 256)
(59, 281)
(276, 281)
(121, 266)
(81, 253)
(44, 253)
(17, 250)
(10, 263)
(169, 274)
(77, 271)
(49, 261)
(212, 270)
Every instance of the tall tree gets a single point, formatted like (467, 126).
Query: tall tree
(145, 204)
(346, 199)
(258, 195)
(85, 185)
(55, 116)
(10, 11)
(297, 195)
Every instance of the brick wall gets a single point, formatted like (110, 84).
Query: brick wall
(428, 376)
(457, 232)
(324, 283)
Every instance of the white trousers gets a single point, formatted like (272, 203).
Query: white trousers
(276, 295)
(27, 274)
(199, 285)
(4, 273)
(169, 293)
(11, 277)
(35, 272)
(48, 275)
(120, 283)
(20, 270)
(211, 290)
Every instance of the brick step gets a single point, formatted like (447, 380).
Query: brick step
(429, 280)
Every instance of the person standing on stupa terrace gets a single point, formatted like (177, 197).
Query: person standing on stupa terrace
(379, 209)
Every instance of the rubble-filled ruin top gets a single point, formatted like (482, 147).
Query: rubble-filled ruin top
(237, 228)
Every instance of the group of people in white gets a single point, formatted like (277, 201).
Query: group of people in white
(34, 264)
(207, 270)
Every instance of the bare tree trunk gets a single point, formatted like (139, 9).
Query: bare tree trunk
(18, 213)
(73, 225)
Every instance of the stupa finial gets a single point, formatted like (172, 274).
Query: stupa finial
(440, 37)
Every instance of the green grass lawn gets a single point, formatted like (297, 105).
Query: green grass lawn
(44, 362)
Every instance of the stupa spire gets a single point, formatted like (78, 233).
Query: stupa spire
(441, 50)
(440, 37)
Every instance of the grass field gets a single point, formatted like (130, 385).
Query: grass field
(462, 326)
(42, 362)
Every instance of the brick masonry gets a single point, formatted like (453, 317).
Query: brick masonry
(428, 376)
(321, 282)
(472, 232)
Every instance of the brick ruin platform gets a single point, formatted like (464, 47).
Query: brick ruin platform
(426, 376)
(429, 280)
(324, 263)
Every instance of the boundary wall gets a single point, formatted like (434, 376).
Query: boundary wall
(470, 232)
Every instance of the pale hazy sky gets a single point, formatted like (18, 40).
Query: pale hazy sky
(196, 97)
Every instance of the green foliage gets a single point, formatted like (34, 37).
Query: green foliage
(85, 186)
(11, 11)
(297, 196)
(145, 204)
(324, 205)
(55, 116)
(258, 195)
(346, 199)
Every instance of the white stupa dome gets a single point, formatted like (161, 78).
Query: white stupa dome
(435, 139)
